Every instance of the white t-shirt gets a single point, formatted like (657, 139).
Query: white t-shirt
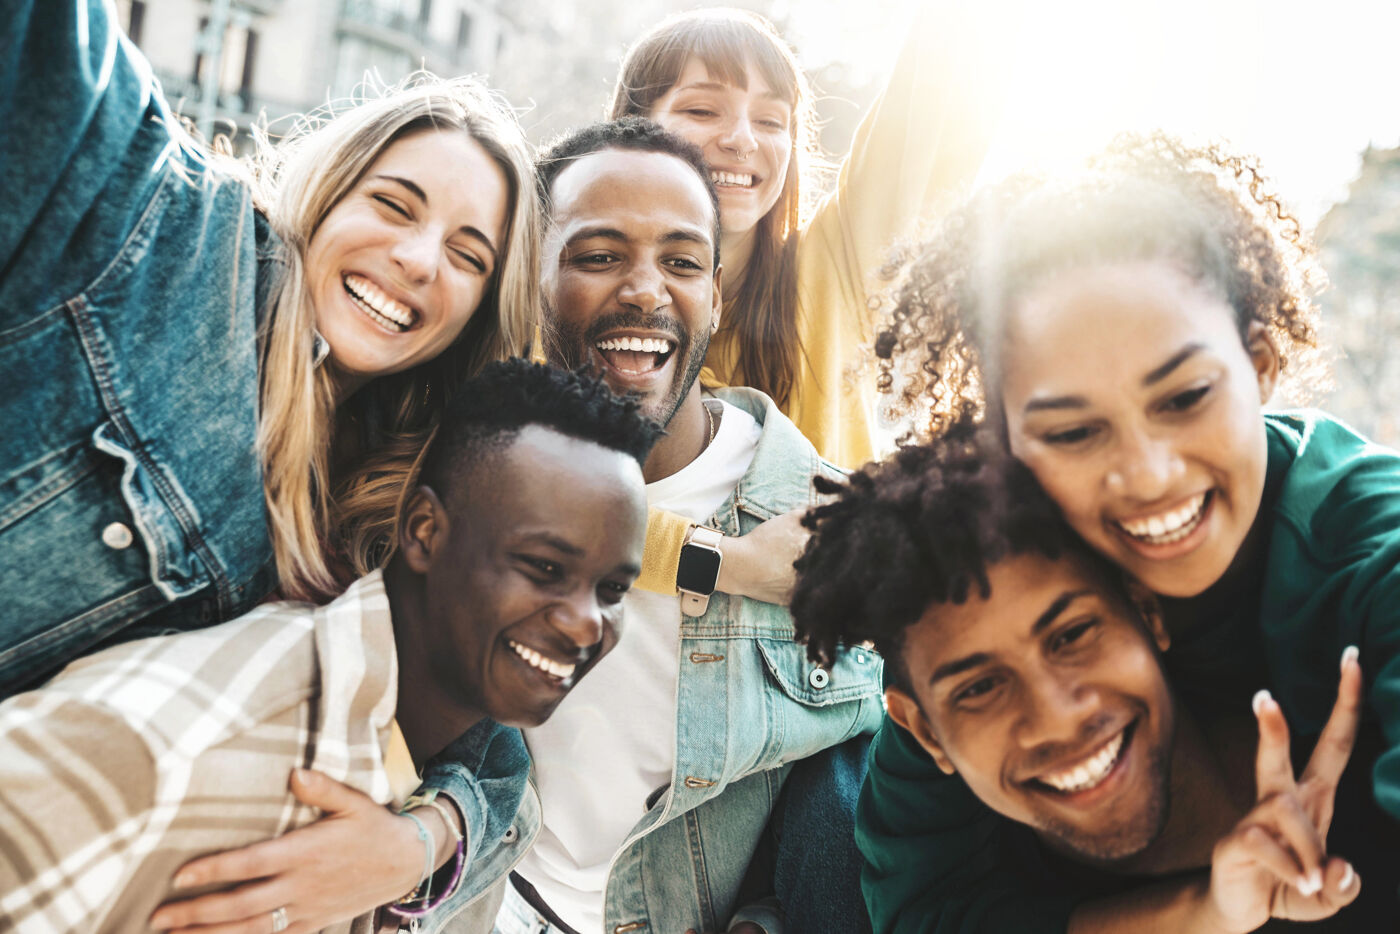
(612, 742)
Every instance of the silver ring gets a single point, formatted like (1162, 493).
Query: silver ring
(279, 920)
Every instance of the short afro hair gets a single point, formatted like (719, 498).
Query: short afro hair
(919, 528)
(635, 134)
(490, 410)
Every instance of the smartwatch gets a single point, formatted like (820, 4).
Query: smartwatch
(699, 569)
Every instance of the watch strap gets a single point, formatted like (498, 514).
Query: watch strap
(692, 603)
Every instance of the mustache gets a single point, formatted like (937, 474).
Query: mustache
(639, 320)
(1090, 735)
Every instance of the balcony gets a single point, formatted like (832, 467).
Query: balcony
(374, 19)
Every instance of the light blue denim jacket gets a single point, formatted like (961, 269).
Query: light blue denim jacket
(749, 703)
(131, 274)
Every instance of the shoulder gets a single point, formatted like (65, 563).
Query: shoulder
(1340, 489)
(257, 665)
(780, 477)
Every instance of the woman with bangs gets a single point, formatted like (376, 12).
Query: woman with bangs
(797, 321)
(219, 376)
(1125, 328)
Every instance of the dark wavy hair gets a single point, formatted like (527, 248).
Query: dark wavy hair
(918, 529)
(493, 407)
(1212, 213)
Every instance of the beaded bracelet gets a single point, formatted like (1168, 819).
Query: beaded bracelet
(428, 853)
(459, 865)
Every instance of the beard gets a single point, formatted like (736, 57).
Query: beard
(1132, 834)
(573, 347)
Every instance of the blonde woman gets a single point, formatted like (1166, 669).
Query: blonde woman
(797, 313)
(216, 375)
(216, 378)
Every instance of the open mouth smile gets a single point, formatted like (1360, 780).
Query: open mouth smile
(1169, 527)
(1091, 771)
(733, 179)
(636, 356)
(560, 672)
(388, 313)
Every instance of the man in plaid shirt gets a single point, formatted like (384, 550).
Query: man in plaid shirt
(505, 590)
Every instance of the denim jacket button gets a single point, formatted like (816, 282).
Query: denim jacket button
(117, 536)
(511, 834)
(818, 678)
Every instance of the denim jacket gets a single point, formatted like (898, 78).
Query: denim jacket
(749, 703)
(131, 273)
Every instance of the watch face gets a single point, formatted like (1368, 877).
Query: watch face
(699, 568)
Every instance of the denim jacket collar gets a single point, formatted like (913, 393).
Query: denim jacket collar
(779, 479)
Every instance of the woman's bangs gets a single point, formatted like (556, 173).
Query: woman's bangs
(727, 50)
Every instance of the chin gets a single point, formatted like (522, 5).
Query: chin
(1111, 846)
(519, 718)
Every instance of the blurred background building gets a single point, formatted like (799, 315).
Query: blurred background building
(227, 63)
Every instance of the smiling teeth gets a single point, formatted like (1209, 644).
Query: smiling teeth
(642, 344)
(372, 299)
(1089, 773)
(536, 660)
(1168, 527)
(732, 179)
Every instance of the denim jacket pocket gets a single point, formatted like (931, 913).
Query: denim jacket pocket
(66, 531)
(814, 707)
(854, 676)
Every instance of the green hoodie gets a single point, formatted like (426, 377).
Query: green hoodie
(938, 861)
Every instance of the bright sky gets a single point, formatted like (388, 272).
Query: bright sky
(1305, 84)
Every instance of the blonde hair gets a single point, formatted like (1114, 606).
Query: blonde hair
(331, 520)
(762, 312)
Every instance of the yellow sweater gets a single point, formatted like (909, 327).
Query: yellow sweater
(920, 144)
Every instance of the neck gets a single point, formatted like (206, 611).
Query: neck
(429, 715)
(735, 251)
(1219, 600)
(687, 434)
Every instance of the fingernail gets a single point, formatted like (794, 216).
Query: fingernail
(1350, 654)
(1348, 878)
(1260, 699)
(182, 881)
(1305, 886)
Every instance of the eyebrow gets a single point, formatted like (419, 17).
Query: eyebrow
(1050, 614)
(1055, 403)
(1153, 377)
(681, 235)
(563, 546)
(721, 86)
(468, 229)
(551, 540)
(1177, 359)
(1056, 607)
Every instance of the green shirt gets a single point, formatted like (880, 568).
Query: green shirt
(938, 861)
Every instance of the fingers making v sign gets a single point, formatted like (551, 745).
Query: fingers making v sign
(1274, 863)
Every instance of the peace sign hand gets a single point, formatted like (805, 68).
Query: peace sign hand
(1274, 864)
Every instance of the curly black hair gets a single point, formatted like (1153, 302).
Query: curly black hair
(917, 529)
(636, 134)
(1145, 197)
(489, 411)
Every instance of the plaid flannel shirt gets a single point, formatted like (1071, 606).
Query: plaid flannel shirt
(137, 759)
